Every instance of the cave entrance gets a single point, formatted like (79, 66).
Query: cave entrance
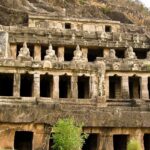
(64, 86)
(46, 85)
(134, 87)
(83, 87)
(114, 87)
(26, 85)
(147, 141)
(6, 84)
(120, 142)
(91, 142)
(23, 140)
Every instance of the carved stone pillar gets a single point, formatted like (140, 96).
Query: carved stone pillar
(85, 53)
(61, 51)
(106, 52)
(125, 87)
(13, 50)
(16, 85)
(94, 86)
(144, 88)
(36, 85)
(107, 86)
(56, 87)
(105, 142)
(37, 52)
(74, 87)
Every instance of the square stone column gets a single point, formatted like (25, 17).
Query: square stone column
(36, 85)
(106, 52)
(125, 87)
(107, 86)
(144, 88)
(61, 52)
(85, 53)
(37, 52)
(13, 50)
(105, 142)
(56, 86)
(94, 86)
(74, 87)
(16, 85)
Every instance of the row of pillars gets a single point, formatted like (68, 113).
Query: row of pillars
(55, 86)
(60, 54)
(125, 90)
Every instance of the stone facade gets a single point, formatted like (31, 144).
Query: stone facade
(99, 77)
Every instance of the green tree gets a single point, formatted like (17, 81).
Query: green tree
(67, 135)
(133, 145)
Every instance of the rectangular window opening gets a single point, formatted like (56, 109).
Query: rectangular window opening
(134, 87)
(93, 53)
(64, 86)
(120, 53)
(6, 84)
(108, 28)
(68, 54)
(46, 85)
(23, 140)
(67, 25)
(83, 87)
(26, 85)
(115, 87)
(91, 142)
(141, 53)
(120, 142)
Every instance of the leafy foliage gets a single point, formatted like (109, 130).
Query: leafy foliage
(67, 135)
(133, 145)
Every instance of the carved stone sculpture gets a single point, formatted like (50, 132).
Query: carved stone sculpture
(50, 57)
(24, 53)
(78, 55)
(129, 53)
(112, 54)
(50, 54)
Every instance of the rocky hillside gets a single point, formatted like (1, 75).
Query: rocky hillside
(15, 12)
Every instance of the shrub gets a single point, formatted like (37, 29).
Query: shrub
(133, 145)
(67, 135)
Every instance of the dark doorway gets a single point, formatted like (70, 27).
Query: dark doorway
(91, 142)
(141, 53)
(46, 85)
(6, 84)
(51, 143)
(83, 87)
(23, 140)
(93, 53)
(149, 86)
(134, 87)
(64, 86)
(26, 85)
(120, 142)
(146, 141)
(114, 87)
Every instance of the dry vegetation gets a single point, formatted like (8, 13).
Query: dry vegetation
(126, 11)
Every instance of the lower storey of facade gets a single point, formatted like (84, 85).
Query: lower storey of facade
(37, 137)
